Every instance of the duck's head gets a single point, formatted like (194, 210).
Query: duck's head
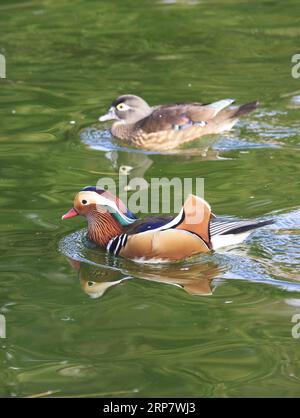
(106, 214)
(128, 109)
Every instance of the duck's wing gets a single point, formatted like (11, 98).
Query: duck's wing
(181, 116)
(217, 110)
(185, 235)
(167, 118)
(195, 218)
(147, 224)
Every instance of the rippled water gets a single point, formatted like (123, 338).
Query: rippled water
(81, 323)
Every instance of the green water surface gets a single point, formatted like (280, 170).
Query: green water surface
(225, 329)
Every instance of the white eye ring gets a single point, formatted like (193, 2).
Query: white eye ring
(84, 202)
(122, 107)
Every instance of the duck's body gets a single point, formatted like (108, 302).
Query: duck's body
(166, 127)
(194, 230)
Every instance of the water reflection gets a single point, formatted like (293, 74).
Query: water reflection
(95, 280)
(188, 2)
(130, 165)
(195, 279)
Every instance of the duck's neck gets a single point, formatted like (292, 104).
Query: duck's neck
(122, 130)
(102, 227)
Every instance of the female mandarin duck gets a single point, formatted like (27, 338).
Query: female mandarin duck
(162, 238)
(166, 127)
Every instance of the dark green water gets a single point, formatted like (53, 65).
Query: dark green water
(66, 61)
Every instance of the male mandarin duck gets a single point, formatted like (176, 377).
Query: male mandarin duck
(166, 127)
(161, 238)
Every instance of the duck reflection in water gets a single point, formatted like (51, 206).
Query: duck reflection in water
(195, 279)
(130, 166)
(136, 164)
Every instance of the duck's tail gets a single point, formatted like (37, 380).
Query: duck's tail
(225, 119)
(245, 109)
(226, 232)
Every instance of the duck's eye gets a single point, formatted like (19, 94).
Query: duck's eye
(90, 283)
(122, 107)
(84, 202)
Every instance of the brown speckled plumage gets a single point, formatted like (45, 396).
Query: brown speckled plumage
(166, 127)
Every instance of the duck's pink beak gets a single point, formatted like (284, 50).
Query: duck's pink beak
(70, 214)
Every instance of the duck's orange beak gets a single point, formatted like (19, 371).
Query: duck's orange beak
(70, 214)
